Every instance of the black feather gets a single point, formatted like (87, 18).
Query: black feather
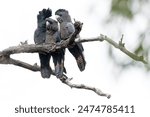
(60, 10)
(39, 38)
(77, 52)
(67, 29)
(53, 37)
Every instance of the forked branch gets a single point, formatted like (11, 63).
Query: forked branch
(32, 48)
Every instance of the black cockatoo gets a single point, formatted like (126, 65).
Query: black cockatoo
(53, 37)
(39, 38)
(66, 30)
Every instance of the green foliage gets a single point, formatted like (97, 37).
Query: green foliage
(128, 9)
(122, 8)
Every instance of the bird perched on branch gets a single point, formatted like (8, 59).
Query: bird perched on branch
(66, 31)
(39, 38)
(53, 37)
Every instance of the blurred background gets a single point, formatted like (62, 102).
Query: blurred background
(107, 68)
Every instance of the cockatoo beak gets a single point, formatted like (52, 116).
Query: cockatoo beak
(57, 16)
(47, 23)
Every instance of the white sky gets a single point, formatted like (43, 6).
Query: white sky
(19, 86)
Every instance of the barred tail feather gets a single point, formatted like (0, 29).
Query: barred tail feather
(58, 59)
(77, 52)
(81, 63)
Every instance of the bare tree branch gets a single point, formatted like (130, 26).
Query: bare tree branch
(64, 44)
(46, 48)
(65, 79)
(34, 67)
(8, 60)
(120, 46)
(32, 48)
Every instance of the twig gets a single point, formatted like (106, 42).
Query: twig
(119, 46)
(82, 86)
